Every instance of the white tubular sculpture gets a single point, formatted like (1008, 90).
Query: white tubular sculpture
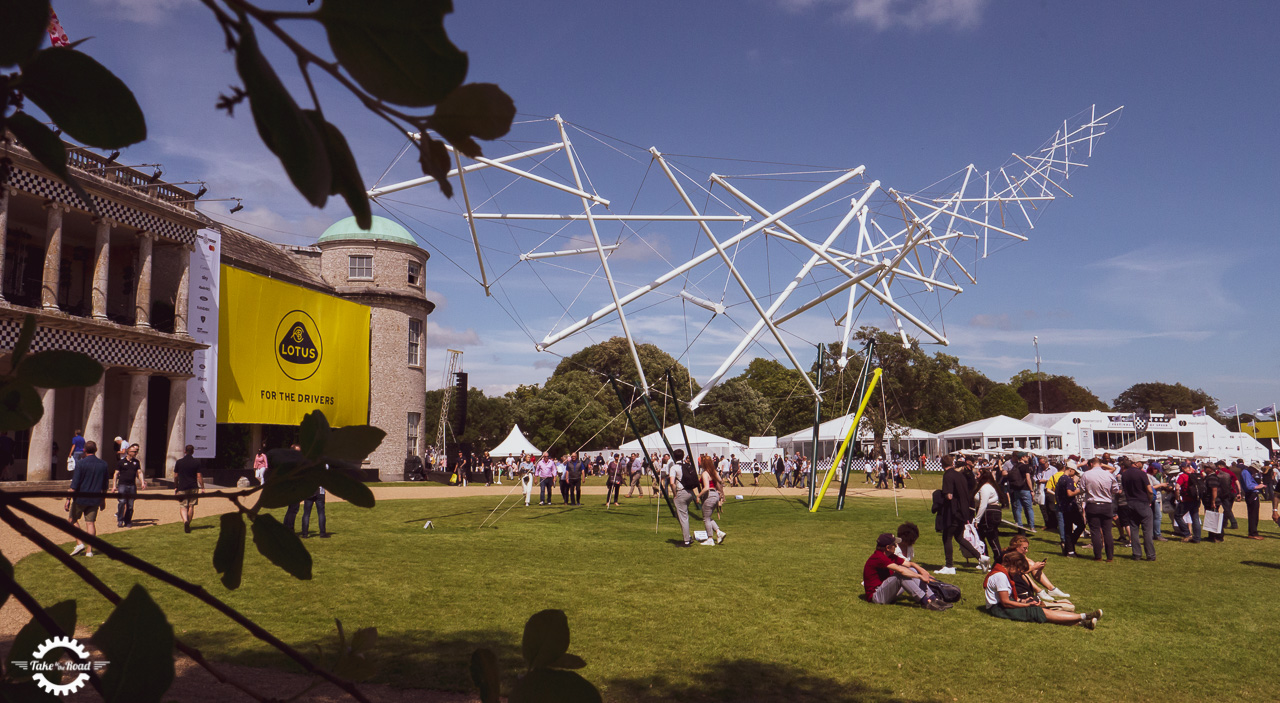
(836, 248)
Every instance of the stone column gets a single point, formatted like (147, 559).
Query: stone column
(40, 453)
(4, 230)
(184, 283)
(52, 255)
(177, 441)
(94, 426)
(138, 412)
(101, 265)
(142, 296)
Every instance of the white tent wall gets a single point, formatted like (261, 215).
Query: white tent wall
(1087, 433)
(1000, 433)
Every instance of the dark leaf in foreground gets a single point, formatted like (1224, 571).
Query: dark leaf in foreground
(281, 547)
(281, 123)
(58, 368)
(479, 110)
(82, 97)
(22, 29)
(20, 406)
(396, 49)
(346, 174)
(138, 641)
(33, 634)
(48, 149)
(435, 162)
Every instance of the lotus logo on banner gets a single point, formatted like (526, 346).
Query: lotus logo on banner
(299, 349)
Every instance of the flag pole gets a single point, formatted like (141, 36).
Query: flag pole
(1275, 415)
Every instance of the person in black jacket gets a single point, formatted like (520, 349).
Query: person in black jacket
(956, 510)
(90, 477)
(573, 471)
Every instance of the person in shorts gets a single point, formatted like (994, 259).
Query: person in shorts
(187, 483)
(90, 477)
(1003, 603)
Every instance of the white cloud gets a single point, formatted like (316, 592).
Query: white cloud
(149, 12)
(441, 336)
(911, 14)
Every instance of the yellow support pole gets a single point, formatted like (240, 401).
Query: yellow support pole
(844, 446)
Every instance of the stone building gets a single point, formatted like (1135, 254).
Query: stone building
(112, 285)
(382, 268)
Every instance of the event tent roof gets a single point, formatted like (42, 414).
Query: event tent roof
(514, 444)
(837, 428)
(998, 426)
(697, 438)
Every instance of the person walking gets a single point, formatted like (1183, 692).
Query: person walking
(682, 482)
(1021, 480)
(573, 471)
(615, 476)
(1211, 496)
(635, 466)
(1228, 491)
(1190, 485)
(711, 495)
(90, 477)
(545, 472)
(188, 483)
(1141, 503)
(125, 483)
(1099, 487)
(260, 465)
(77, 447)
(957, 507)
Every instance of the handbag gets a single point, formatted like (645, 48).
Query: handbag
(1213, 521)
(975, 541)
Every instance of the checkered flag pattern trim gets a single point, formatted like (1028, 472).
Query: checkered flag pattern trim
(53, 190)
(112, 352)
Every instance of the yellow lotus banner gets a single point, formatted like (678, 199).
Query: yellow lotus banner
(285, 351)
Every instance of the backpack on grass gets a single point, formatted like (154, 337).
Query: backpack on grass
(947, 592)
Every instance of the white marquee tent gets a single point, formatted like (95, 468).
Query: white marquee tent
(903, 440)
(513, 445)
(1000, 433)
(701, 442)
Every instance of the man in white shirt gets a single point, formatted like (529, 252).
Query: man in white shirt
(1099, 487)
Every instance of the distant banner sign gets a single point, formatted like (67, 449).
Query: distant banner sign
(287, 350)
(1141, 424)
(202, 325)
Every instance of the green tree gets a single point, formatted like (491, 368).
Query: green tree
(1160, 397)
(783, 388)
(488, 419)
(1062, 394)
(735, 410)
(1003, 400)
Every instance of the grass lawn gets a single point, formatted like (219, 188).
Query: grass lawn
(775, 613)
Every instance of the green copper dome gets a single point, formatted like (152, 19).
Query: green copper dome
(382, 230)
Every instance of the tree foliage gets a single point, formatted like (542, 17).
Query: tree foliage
(1062, 394)
(1160, 397)
(735, 410)
(1003, 400)
(789, 401)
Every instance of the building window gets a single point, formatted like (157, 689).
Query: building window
(412, 446)
(360, 267)
(415, 342)
(415, 273)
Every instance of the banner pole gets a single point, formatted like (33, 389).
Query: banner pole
(817, 420)
(848, 458)
(640, 440)
(853, 430)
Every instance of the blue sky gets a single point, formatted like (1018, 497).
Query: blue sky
(1161, 268)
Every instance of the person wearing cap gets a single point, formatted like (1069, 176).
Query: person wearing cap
(885, 576)
(1069, 492)
(1190, 486)
(1250, 480)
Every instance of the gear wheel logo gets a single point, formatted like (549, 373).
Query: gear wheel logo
(80, 664)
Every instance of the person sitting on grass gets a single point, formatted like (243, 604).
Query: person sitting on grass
(885, 576)
(1035, 583)
(1003, 603)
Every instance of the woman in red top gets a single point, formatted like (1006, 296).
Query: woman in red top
(711, 495)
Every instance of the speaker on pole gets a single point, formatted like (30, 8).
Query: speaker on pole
(460, 407)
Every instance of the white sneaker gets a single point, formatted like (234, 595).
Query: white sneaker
(1044, 596)
(1057, 593)
(946, 571)
(720, 535)
(984, 563)
(708, 542)
(79, 548)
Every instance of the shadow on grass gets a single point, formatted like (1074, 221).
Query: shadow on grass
(1266, 564)
(743, 680)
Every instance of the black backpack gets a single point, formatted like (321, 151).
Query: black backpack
(947, 592)
(688, 476)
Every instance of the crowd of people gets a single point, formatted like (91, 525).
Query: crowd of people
(1108, 499)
